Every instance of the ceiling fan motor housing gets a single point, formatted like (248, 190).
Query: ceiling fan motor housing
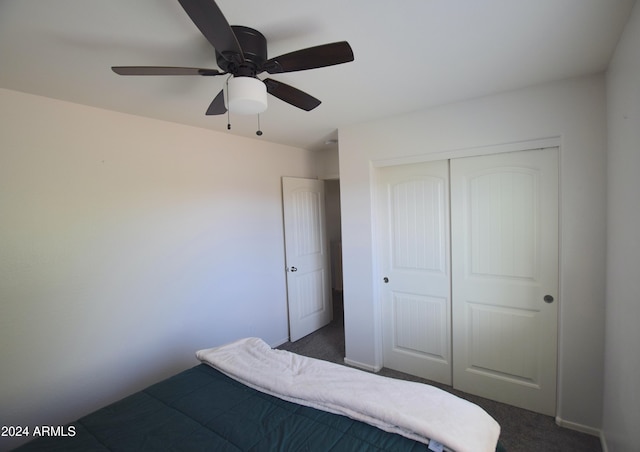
(254, 48)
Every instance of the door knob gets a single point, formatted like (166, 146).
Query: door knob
(385, 279)
(548, 299)
(293, 269)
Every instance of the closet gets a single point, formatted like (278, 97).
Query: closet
(468, 272)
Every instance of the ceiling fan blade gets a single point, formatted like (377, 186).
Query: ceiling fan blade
(217, 107)
(163, 70)
(214, 26)
(291, 95)
(310, 58)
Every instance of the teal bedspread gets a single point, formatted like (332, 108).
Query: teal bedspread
(202, 409)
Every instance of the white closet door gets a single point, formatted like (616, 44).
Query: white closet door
(413, 211)
(307, 256)
(504, 218)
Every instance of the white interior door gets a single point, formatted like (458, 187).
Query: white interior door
(307, 256)
(504, 216)
(413, 208)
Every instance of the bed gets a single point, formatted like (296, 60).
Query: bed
(245, 396)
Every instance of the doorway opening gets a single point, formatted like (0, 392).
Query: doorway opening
(334, 237)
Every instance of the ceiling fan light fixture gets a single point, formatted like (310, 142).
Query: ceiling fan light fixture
(246, 96)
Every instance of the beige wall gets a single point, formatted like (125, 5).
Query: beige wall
(570, 113)
(126, 244)
(622, 365)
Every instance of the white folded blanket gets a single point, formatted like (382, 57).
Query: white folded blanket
(414, 410)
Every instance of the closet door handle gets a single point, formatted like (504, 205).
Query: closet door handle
(548, 299)
(293, 269)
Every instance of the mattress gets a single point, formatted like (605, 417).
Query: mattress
(204, 409)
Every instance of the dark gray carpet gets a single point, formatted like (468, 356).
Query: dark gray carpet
(521, 430)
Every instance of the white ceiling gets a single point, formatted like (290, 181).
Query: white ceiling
(409, 55)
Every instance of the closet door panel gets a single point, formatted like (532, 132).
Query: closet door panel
(413, 206)
(504, 217)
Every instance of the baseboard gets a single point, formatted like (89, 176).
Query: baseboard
(603, 442)
(579, 427)
(362, 366)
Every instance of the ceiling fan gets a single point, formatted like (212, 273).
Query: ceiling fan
(242, 53)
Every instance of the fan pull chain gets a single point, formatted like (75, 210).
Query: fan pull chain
(259, 132)
(226, 92)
